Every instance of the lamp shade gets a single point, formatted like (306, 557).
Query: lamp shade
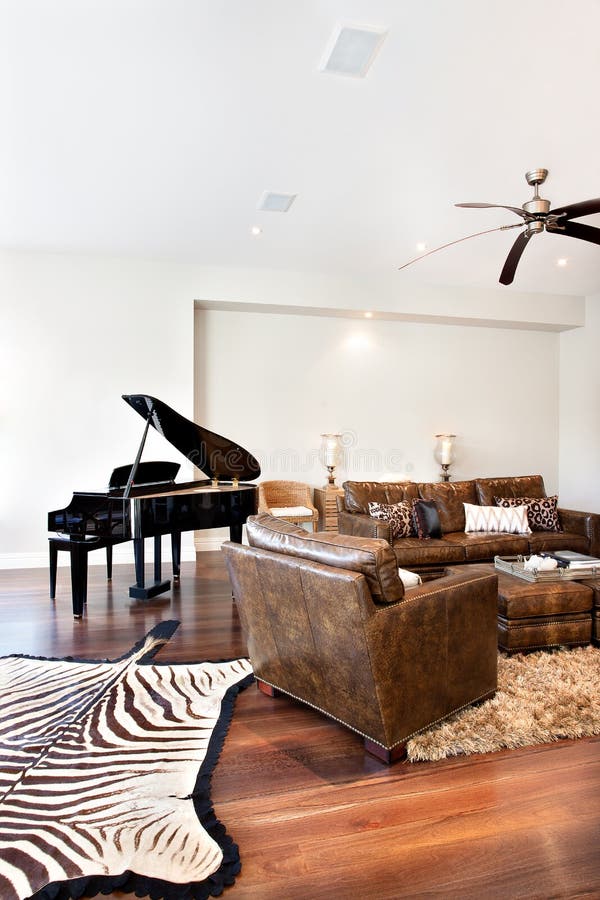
(444, 449)
(330, 448)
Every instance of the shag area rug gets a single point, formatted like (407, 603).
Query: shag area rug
(105, 775)
(541, 697)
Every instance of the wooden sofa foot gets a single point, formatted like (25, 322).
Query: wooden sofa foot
(386, 756)
(267, 689)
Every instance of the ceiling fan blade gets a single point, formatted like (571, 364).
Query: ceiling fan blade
(514, 209)
(578, 230)
(574, 210)
(512, 260)
(450, 243)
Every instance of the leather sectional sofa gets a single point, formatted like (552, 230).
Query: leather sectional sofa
(580, 531)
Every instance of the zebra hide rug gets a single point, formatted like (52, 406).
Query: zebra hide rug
(105, 775)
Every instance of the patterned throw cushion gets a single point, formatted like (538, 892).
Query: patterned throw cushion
(426, 519)
(399, 515)
(510, 520)
(542, 514)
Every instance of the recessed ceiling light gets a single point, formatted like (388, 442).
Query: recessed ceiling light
(421, 246)
(368, 315)
(352, 49)
(273, 202)
(561, 262)
(256, 230)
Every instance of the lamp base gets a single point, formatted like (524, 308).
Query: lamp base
(445, 474)
(330, 476)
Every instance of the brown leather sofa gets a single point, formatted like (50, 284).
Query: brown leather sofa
(328, 622)
(580, 530)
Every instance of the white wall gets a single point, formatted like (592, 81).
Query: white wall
(77, 332)
(579, 454)
(277, 381)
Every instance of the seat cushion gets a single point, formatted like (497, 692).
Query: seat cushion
(481, 545)
(557, 540)
(284, 511)
(372, 557)
(414, 552)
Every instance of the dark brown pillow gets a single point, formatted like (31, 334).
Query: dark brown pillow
(426, 519)
(542, 512)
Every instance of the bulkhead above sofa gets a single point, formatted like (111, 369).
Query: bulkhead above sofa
(437, 523)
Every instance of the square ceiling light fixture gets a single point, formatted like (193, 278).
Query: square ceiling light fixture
(272, 202)
(352, 49)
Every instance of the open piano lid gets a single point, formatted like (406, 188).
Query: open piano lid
(214, 455)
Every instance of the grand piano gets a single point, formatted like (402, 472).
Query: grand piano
(143, 500)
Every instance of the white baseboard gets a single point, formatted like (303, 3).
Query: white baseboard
(122, 554)
(192, 543)
(23, 560)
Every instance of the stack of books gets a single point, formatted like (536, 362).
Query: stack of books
(571, 560)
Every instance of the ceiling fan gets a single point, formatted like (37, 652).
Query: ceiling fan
(537, 216)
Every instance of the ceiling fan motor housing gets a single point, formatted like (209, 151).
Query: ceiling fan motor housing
(534, 227)
(537, 206)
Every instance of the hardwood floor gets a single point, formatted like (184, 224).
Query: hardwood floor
(314, 816)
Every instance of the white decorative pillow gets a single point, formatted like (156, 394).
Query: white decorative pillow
(486, 518)
(409, 579)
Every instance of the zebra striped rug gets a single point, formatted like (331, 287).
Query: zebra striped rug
(105, 775)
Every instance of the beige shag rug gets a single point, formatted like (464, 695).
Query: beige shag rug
(541, 697)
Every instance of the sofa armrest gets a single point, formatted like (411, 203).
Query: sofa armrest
(437, 647)
(453, 577)
(585, 523)
(362, 525)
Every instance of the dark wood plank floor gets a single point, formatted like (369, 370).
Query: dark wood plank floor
(313, 816)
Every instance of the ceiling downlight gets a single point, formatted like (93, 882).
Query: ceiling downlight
(352, 49)
(274, 202)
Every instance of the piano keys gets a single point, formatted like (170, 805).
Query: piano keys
(143, 500)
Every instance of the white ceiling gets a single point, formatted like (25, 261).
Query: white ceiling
(154, 128)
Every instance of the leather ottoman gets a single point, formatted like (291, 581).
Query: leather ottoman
(594, 584)
(534, 616)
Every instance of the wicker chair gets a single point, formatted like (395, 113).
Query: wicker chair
(289, 500)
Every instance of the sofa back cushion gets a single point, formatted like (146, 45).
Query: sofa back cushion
(450, 497)
(372, 557)
(517, 486)
(358, 494)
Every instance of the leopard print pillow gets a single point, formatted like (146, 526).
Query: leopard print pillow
(542, 514)
(399, 515)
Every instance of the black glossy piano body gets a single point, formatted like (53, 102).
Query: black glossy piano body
(152, 504)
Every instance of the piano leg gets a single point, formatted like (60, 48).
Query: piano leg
(53, 564)
(157, 557)
(109, 562)
(79, 568)
(139, 591)
(176, 553)
(235, 532)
